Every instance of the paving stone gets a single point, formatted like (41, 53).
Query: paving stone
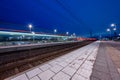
(71, 58)
(20, 77)
(33, 72)
(81, 58)
(78, 77)
(74, 65)
(46, 75)
(59, 60)
(89, 63)
(35, 78)
(45, 67)
(53, 63)
(69, 70)
(85, 73)
(68, 60)
(84, 56)
(87, 67)
(61, 76)
(78, 61)
(56, 68)
(63, 64)
(92, 57)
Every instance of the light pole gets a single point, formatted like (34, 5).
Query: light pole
(108, 30)
(33, 36)
(55, 30)
(30, 27)
(119, 34)
(113, 25)
(67, 33)
(114, 29)
(74, 34)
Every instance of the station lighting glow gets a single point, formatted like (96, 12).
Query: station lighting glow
(74, 34)
(55, 30)
(112, 25)
(67, 33)
(30, 26)
(108, 29)
(33, 32)
(114, 29)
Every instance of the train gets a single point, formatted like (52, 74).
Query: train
(13, 38)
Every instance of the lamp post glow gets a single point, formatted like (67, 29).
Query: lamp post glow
(114, 29)
(113, 25)
(55, 30)
(119, 34)
(108, 30)
(30, 27)
(67, 33)
(74, 34)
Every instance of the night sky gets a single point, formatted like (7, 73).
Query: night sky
(79, 16)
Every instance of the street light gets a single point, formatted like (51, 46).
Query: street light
(67, 33)
(108, 30)
(30, 27)
(113, 25)
(33, 35)
(119, 34)
(74, 34)
(114, 29)
(55, 30)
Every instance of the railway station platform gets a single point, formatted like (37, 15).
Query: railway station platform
(96, 61)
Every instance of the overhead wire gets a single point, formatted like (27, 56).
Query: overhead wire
(80, 21)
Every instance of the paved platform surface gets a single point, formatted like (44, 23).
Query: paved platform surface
(104, 66)
(91, 62)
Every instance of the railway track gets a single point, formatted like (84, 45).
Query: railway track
(15, 62)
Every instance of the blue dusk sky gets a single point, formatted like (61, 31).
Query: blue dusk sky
(75, 16)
